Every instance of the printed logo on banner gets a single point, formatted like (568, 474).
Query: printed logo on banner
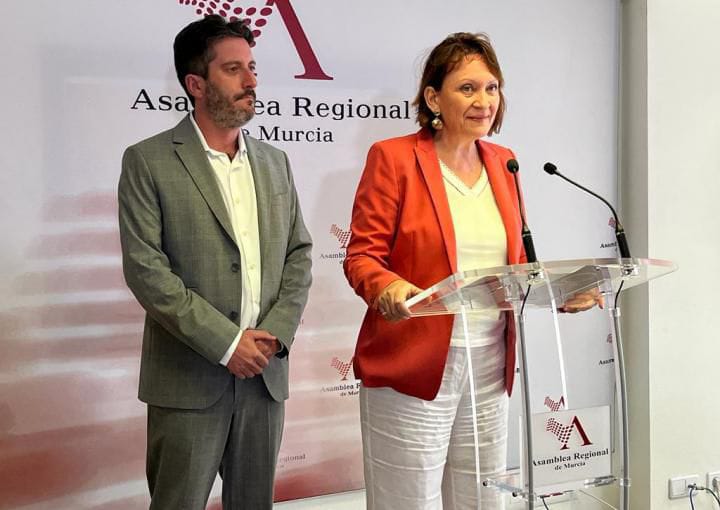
(257, 17)
(342, 367)
(299, 118)
(563, 432)
(342, 236)
(555, 406)
(571, 445)
(344, 389)
(610, 244)
(611, 360)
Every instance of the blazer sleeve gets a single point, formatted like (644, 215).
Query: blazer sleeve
(375, 217)
(146, 267)
(283, 317)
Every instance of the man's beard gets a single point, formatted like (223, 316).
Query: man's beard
(224, 111)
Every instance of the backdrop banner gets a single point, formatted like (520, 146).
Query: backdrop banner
(84, 79)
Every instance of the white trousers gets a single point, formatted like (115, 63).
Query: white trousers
(420, 455)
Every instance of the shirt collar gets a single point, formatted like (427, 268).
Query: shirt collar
(242, 148)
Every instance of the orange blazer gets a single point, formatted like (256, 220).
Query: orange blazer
(402, 228)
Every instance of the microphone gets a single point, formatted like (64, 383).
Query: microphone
(513, 168)
(619, 230)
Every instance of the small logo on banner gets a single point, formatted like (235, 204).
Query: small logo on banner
(563, 432)
(257, 17)
(555, 406)
(342, 367)
(343, 237)
(345, 388)
(611, 360)
(612, 224)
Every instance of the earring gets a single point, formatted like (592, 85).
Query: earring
(437, 122)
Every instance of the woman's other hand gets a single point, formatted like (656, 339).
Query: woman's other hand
(391, 301)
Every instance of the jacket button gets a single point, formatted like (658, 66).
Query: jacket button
(233, 315)
(235, 267)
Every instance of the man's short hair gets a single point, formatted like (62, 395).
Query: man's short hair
(194, 45)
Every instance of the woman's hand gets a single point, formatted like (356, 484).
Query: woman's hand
(391, 301)
(583, 301)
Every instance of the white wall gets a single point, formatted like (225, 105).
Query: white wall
(670, 176)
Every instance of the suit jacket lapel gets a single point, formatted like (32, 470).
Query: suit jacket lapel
(191, 153)
(430, 168)
(505, 197)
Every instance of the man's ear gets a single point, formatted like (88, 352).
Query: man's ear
(195, 85)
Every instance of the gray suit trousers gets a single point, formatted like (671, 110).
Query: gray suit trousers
(239, 437)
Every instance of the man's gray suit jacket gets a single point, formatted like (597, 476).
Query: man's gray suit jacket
(182, 263)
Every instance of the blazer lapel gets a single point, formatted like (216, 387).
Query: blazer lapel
(504, 196)
(430, 168)
(191, 153)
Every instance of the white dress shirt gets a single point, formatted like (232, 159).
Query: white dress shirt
(481, 242)
(237, 186)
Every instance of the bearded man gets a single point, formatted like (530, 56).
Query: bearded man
(216, 252)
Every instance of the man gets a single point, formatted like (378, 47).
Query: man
(215, 250)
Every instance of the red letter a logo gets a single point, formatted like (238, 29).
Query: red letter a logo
(313, 71)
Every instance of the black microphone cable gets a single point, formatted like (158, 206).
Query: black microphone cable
(693, 487)
(619, 230)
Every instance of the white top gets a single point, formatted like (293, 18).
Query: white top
(481, 242)
(237, 187)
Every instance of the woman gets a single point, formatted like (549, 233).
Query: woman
(428, 205)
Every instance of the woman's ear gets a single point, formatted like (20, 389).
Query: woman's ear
(430, 95)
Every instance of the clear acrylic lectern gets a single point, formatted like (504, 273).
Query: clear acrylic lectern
(574, 419)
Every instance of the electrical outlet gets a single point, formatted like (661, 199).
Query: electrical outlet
(713, 475)
(678, 486)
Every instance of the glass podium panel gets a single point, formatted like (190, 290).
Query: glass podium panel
(568, 428)
(500, 288)
(571, 388)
